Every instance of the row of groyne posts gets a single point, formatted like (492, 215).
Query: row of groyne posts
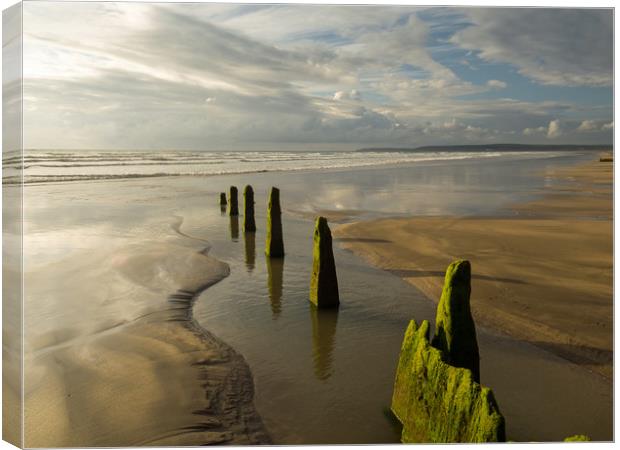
(324, 282)
(437, 393)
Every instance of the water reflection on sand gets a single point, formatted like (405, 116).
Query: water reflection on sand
(324, 324)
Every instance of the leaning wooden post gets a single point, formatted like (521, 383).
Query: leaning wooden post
(234, 207)
(324, 283)
(455, 331)
(248, 216)
(223, 201)
(274, 245)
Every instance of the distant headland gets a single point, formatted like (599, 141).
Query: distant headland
(488, 148)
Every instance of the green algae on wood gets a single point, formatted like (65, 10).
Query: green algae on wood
(223, 201)
(274, 244)
(455, 331)
(248, 214)
(234, 206)
(577, 438)
(437, 402)
(324, 282)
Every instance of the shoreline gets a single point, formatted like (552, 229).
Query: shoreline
(228, 380)
(571, 222)
(483, 156)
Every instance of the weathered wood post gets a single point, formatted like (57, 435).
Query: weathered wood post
(223, 201)
(455, 331)
(248, 215)
(274, 245)
(324, 282)
(234, 206)
(437, 402)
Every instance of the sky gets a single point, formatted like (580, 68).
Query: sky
(295, 77)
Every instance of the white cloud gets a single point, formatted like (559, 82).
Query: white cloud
(554, 129)
(353, 94)
(588, 126)
(535, 131)
(551, 131)
(593, 126)
(552, 46)
(497, 84)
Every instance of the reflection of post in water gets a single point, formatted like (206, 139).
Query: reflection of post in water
(324, 323)
(275, 270)
(234, 228)
(250, 250)
(223, 209)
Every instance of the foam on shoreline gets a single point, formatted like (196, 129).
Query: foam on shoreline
(39, 166)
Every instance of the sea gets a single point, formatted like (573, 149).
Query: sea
(40, 166)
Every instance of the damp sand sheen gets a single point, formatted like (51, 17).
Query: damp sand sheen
(147, 303)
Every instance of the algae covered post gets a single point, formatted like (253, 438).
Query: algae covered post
(234, 206)
(437, 393)
(440, 403)
(455, 331)
(248, 215)
(274, 245)
(324, 282)
(223, 201)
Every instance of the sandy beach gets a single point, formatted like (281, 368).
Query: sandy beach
(114, 356)
(151, 318)
(543, 275)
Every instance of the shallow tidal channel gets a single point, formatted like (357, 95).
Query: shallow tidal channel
(326, 377)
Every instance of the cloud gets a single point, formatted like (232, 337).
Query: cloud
(535, 131)
(11, 79)
(551, 131)
(454, 131)
(554, 129)
(212, 76)
(587, 126)
(569, 47)
(353, 94)
(593, 126)
(496, 84)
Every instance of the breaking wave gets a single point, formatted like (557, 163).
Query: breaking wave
(41, 166)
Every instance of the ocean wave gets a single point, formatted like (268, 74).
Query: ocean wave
(63, 166)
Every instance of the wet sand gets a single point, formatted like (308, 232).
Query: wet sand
(114, 356)
(543, 275)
